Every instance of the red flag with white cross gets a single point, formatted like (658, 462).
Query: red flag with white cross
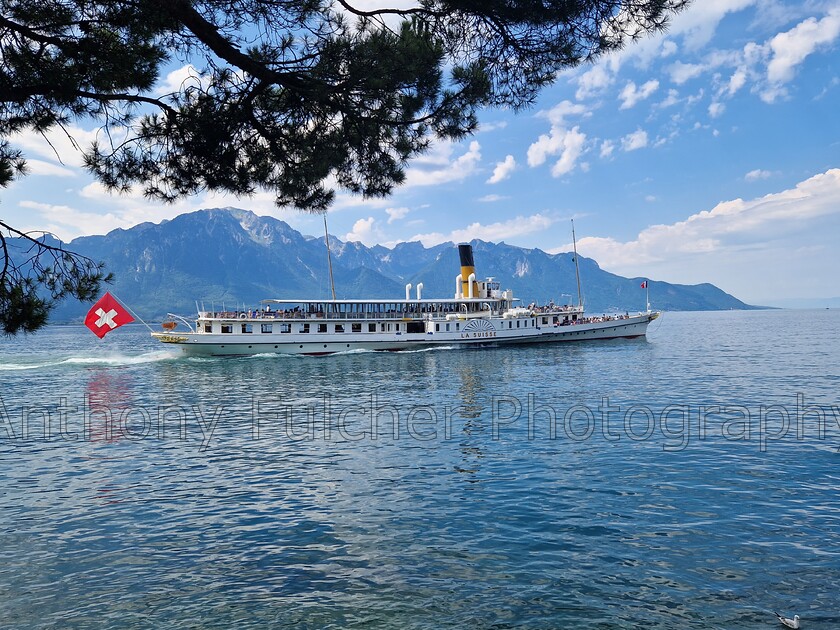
(106, 315)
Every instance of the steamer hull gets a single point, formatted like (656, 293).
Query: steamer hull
(330, 342)
(480, 314)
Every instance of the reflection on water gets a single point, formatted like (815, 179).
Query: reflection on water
(471, 395)
(107, 406)
(444, 488)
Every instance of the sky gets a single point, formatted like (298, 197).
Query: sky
(708, 153)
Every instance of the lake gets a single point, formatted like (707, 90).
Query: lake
(686, 479)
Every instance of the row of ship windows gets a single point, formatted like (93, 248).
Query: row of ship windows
(305, 328)
(413, 327)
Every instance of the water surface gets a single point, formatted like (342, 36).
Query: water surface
(689, 478)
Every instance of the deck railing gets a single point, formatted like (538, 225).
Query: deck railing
(410, 314)
(301, 316)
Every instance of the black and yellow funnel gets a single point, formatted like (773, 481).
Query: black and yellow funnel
(465, 252)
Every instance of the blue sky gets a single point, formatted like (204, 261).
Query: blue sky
(709, 153)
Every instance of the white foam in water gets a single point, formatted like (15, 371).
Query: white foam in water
(283, 355)
(416, 351)
(432, 349)
(17, 366)
(111, 360)
(436, 348)
(164, 355)
(270, 355)
(200, 359)
(148, 357)
(356, 351)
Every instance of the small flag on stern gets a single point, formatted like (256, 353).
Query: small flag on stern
(644, 284)
(106, 315)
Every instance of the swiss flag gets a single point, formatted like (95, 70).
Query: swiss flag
(644, 284)
(106, 315)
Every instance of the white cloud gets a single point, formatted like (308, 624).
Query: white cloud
(631, 95)
(593, 82)
(757, 174)
(512, 228)
(663, 140)
(572, 147)
(716, 109)
(607, 148)
(697, 24)
(503, 170)
(557, 115)
(492, 198)
(364, 231)
(392, 21)
(736, 81)
(789, 49)
(560, 140)
(546, 145)
(681, 72)
(95, 191)
(67, 223)
(56, 144)
(692, 99)
(395, 214)
(633, 141)
(769, 66)
(729, 225)
(343, 201)
(672, 99)
(493, 126)
(451, 170)
(669, 48)
(40, 167)
(178, 79)
(833, 83)
(694, 28)
(438, 154)
(104, 211)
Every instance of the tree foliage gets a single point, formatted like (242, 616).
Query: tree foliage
(298, 97)
(36, 272)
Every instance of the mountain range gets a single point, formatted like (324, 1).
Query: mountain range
(232, 257)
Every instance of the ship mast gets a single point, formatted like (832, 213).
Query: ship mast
(329, 256)
(577, 267)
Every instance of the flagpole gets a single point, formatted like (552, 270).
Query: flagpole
(329, 257)
(647, 294)
(130, 310)
(577, 268)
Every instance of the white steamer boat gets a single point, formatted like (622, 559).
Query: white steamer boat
(480, 314)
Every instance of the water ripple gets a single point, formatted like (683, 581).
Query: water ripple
(150, 489)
